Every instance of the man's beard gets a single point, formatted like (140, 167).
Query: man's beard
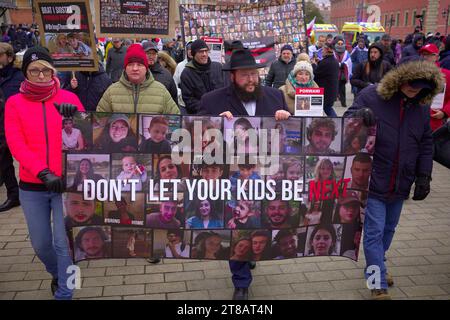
(245, 96)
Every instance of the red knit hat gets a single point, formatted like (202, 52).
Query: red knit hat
(135, 53)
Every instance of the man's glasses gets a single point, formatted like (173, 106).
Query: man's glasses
(36, 72)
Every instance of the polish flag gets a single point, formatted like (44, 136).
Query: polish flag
(310, 27)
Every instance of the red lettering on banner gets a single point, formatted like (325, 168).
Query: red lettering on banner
(328, 189)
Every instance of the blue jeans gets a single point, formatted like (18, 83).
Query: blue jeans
(380, 221)
(51, 247)
(242, 275)
(329, 111)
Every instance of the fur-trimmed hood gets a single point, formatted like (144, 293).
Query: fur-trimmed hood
(408, 71)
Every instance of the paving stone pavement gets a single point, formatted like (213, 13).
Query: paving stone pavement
(419, 260)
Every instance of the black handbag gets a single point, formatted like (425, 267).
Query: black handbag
(441, 145)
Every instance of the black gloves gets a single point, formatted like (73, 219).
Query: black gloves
(367, 115)
(51, 181)
(67, 110)
(422, 188)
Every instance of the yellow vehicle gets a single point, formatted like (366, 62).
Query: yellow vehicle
(351, 31)
(323, 30)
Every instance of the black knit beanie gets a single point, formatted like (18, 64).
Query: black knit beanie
(34, 54)
(198, 45)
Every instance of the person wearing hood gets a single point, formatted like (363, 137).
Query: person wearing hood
(399, 107)
(159, 73)
(114, 59)
(372, 71)
(179, 69)
(137, 91)
(10, 80)
(200, 76)
(301, 77)
(33, 122)
(413, 48)
(430, 52)
(279, 69)
(444, 57)
(89, 86)
(345, 68)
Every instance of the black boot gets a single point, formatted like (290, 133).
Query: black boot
(9, 204)
(240, 294)
(154, 260)
(54, 285)
(252, 265)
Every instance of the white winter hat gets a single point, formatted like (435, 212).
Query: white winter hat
(303, 65)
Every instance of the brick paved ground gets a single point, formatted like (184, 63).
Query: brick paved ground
(419, 261)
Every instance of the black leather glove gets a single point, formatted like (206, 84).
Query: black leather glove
(422, 188)
(67, 110)
(367, 115)
(51, 181)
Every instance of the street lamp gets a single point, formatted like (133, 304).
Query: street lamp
(445, 15)
(420, 17)
(391, 22)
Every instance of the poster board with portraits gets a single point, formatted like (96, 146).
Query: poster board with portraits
(245, 189)
(215, 48)
(68, 33)
(281, 20)
(131, 19)
(309, 102)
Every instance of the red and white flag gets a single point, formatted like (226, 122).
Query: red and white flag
(310, 27)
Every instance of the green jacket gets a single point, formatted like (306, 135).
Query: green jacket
(148, 97)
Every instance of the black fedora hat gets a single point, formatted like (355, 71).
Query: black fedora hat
(242, 59)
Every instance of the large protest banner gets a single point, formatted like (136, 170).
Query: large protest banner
(67, 31)
(281, 20)
(131, 19)
(250, 188)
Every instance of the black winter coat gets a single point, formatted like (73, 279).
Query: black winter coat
(195, 83)
(360, 79)
(163, 75)
(278, 73)
(10, 80)
(326, 76)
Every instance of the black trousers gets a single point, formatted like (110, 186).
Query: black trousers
(8, 174)
(342, 95)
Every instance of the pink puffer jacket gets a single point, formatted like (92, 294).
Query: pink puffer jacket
(34, 133)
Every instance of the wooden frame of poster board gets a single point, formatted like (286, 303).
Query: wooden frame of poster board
(90, 27)
(170, 34)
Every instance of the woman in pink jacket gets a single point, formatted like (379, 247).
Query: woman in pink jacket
(33, 125)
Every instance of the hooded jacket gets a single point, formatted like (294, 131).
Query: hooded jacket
(91, 87)
(278, 72)
(148, 97)
(403, 148)
(195, 83)
(412, 49)
(378, 69)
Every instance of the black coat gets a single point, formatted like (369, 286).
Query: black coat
(163, 75)
(278, 73)
(326, 76)
(10, 80)
(91, 87)
(361, 79)
(225, 99)
(195, 83)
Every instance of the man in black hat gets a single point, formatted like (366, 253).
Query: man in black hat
(200, 76)
(159, 73)
(279, 70)
(244, 97)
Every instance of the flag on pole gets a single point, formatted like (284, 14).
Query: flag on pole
(310, 27)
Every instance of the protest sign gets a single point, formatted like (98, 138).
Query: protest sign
(215, 48)
(210, 185)
(438, 100)
(309, 102)
(67, 31)
(131, 19)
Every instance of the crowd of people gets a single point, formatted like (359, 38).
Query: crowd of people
(394, 85)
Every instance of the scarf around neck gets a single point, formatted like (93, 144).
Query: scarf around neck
(39, 91)
(202, 67)
(296, 84)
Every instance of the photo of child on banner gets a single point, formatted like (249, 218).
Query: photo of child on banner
(123, 201)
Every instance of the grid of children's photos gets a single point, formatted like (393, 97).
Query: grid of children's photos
(279, 19)
(238, 210)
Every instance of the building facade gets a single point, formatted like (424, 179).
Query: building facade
(397, 17)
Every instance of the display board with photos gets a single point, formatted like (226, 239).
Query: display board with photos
(281, 20)
(68, 33)
(245, 189)
(123, 18)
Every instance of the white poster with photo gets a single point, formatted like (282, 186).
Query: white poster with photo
(438, 101)
(309, 102)
(215, 48)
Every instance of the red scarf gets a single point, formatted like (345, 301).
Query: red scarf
(39, 91)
